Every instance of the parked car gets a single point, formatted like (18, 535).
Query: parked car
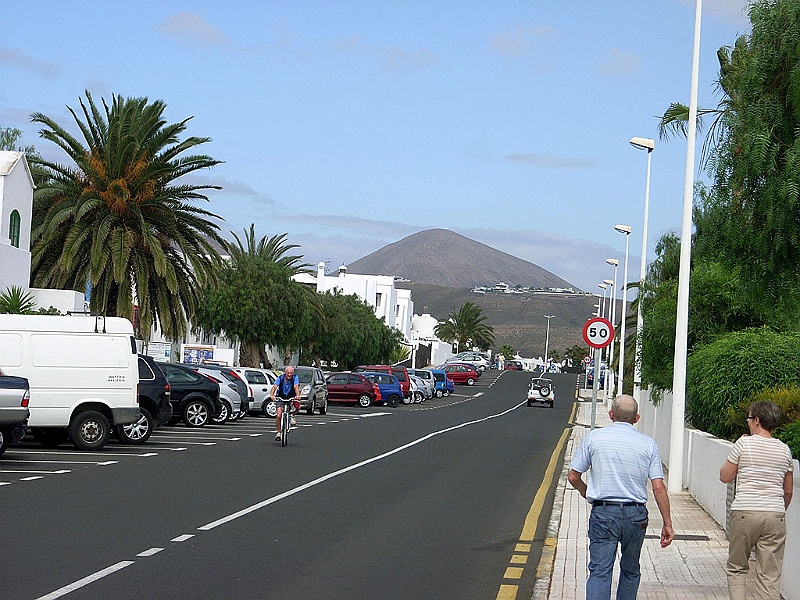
(389, 385)
(398, 371)
(14, 398)
(195, 397)
(352, 387)
(473, 358)
(443, 386)
(419, 389)
(513, 365)
(154, 404)
(427, 378)
(230, 375)
(260, 382)
(461, 373)
(540, 391)
(455, 362)
(228, 394)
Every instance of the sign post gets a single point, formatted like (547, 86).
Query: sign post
(598, 333)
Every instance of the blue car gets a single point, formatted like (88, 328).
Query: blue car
(443, 385)
(389, 385)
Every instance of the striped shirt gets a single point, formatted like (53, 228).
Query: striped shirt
(621, 460)
(763, 463)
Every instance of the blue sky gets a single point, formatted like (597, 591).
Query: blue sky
(349, 125)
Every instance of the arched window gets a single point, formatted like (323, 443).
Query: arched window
(13, 228)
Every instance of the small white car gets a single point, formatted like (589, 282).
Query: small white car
(541, 391)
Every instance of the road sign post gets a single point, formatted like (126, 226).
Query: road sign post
(598, 333)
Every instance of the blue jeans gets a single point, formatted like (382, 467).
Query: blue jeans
(609, 527)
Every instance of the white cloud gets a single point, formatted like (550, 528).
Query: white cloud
(14, 57)
(519, 41)
(548, 161)
(393, 58)
(192, 28)
(620, 62)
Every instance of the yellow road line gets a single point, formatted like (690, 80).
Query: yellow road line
(507, 592)
(513, 573)
(529, 529)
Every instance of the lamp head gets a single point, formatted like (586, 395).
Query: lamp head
(613, 262)
(602, 285)
(549, 316)
(608, 282)
(626, 229)
(643, 143)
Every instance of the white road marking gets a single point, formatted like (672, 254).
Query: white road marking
(32, 478)
(149, 552)
(86, 580)
(182, 538)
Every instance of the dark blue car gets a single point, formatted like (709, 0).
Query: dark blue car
(391, 391)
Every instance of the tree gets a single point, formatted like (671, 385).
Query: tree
(119, 219)
(507, 351)
(466, 326)
(17, 301)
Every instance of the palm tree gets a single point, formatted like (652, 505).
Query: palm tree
(17, 301)
(271, 249)
(119, 219)
(465, 326)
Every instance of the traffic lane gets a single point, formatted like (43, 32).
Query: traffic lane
(437, 520)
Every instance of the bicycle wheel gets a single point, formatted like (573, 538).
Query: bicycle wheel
(285, 424)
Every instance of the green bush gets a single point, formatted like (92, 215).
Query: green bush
(790, 435)
(732, 370)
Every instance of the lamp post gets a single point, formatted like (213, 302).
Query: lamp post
(626, 229)
(612, 315)
(641, 144)
(678, 417)
(547, 337)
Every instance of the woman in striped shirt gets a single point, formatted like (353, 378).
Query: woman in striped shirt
(762, 467)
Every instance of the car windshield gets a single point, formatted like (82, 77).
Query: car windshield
(304, 376)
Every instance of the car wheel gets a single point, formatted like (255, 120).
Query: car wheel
(5, 439)
(393, 400)
(439, 393)
(364, 400)
(136, 433)
(89, 430)
(324, 408)
(447, 392)
(224, 414)
(408, 399)
(418, 397)
(470, 381)
(311, 402)
(50, 438)
(195, 414)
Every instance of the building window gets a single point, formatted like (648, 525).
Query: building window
(13, 228)
(378, 299)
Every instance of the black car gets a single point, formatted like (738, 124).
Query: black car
(154, 404)
(194, 397)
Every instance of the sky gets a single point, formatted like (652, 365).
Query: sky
(350, 125)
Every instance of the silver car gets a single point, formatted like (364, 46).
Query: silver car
(231, 400)
(419, 389)
(260, 382)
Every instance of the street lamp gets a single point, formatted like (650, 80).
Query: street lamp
(612, 315)
(626, 229)
(547, 337)
(642, 144)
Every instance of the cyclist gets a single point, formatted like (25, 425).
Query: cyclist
(287, 388)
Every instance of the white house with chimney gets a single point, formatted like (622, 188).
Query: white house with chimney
(16, 212)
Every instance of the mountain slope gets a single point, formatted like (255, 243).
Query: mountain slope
(445, 258)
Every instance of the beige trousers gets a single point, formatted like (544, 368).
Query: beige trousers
(766, 532)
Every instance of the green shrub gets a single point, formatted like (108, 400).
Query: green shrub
(732, 370)
(790, 435)
(786, 398)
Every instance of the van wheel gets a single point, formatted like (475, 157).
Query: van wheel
(136, 433)
(50, 438)
(195, 414)
(364, 400)
(89, 430)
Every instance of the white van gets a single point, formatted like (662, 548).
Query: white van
(83, 374)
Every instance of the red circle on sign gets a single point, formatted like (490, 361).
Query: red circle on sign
(598, 332)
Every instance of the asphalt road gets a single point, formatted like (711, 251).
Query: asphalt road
(421, 501)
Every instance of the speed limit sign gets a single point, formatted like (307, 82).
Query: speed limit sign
(598, 332)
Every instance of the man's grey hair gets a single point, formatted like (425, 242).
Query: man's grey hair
(624, 408)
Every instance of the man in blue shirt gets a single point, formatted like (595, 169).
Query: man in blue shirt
(621, 460)
(287, 388)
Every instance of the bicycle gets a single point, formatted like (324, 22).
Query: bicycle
(290, 407)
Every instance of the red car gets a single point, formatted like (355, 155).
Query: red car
(512, 365)
(461, 373)
(352, 387)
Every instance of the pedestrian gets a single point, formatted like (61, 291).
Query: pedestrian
(620, 460)
(763, 470)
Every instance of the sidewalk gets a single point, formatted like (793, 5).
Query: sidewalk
(693, 566)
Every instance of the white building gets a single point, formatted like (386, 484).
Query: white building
(16, 212)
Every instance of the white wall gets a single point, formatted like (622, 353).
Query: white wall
(703, 455)
(64, 300)
(16, 193)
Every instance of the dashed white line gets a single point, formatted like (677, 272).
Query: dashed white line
(149, 552)
(86, 580)
(182, 538)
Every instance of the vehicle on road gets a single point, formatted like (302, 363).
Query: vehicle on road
(292, 407)
(443, 385)
(232, 376)
(389, 385)
(260, 382)
(154, 404)
(83, 373)
(352, 387)
(513, 365)
(14, 398)
(540, 391)
(475, 359)
(461, 373)
(398, 371)
(420, 391)
(228, 395)
(313, 391)
(195, 398)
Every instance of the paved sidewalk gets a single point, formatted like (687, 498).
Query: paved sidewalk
(691, 567)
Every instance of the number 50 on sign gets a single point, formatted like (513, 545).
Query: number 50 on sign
(598, 332)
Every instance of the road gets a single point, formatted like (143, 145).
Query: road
(421, 501)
